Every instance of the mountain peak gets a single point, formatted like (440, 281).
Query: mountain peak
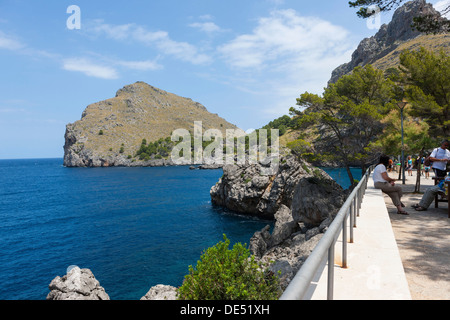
(138, 88)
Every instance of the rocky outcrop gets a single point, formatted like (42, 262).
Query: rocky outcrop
(81, 284)
(302, 199)
(77, 284)
(388, 38)
(248, 190)
(161, 292)
(288, 246)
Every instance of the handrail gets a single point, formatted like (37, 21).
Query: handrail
(299, 286)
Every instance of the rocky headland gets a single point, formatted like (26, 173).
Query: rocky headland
(110, 132)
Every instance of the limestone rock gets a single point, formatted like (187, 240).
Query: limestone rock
(246, 190)
(260, 241)
(77, 284)
(285, 226)
(161, 292)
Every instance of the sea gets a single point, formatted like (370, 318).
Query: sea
(134, 228)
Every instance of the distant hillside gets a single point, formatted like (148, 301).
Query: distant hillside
(383, 49)
(111, 131)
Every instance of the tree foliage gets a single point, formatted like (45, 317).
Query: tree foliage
(224, 274)
(283, 124)
(158, 149)
(415, 135)
(348, 117)
(426, 79)
(425, 23)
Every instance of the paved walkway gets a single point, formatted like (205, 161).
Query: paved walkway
(423, 240)
(394, 257)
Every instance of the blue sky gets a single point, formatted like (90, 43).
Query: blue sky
(246, 60)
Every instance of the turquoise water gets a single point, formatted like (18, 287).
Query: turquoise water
(133, 227)
(340, 175)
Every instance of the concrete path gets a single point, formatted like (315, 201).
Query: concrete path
(393, 257)
(423, 240)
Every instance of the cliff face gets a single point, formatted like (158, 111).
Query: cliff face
(388, 38)
(111, 130)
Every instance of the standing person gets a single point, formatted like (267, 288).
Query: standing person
(440, 156)
(387, 185)
(410, 166)
(427, 169)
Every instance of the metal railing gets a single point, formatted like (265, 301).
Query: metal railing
(299, 286)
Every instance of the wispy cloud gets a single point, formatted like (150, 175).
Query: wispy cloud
(89, 68)
(284, 35)
(290, 53)
(160, 40)
(10, 43)
(147, 65)
(99, 67)
(103, 67)
(207, 27)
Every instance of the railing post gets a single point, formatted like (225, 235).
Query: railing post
(352, 224)
(344, 243)
(330, 288)
(359, 198)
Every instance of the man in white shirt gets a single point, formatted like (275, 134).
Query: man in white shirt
(440, 156)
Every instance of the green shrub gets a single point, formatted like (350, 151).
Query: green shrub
(223, 274)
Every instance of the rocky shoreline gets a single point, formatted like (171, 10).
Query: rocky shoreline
(302, 200)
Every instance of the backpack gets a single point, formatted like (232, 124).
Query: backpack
(428, 162)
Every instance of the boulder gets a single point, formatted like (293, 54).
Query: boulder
(310, 193)
(161, 292)
(77, 284)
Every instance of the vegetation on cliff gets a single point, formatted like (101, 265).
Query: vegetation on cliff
(229, 274)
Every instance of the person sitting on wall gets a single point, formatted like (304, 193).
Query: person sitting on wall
(387, 184)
